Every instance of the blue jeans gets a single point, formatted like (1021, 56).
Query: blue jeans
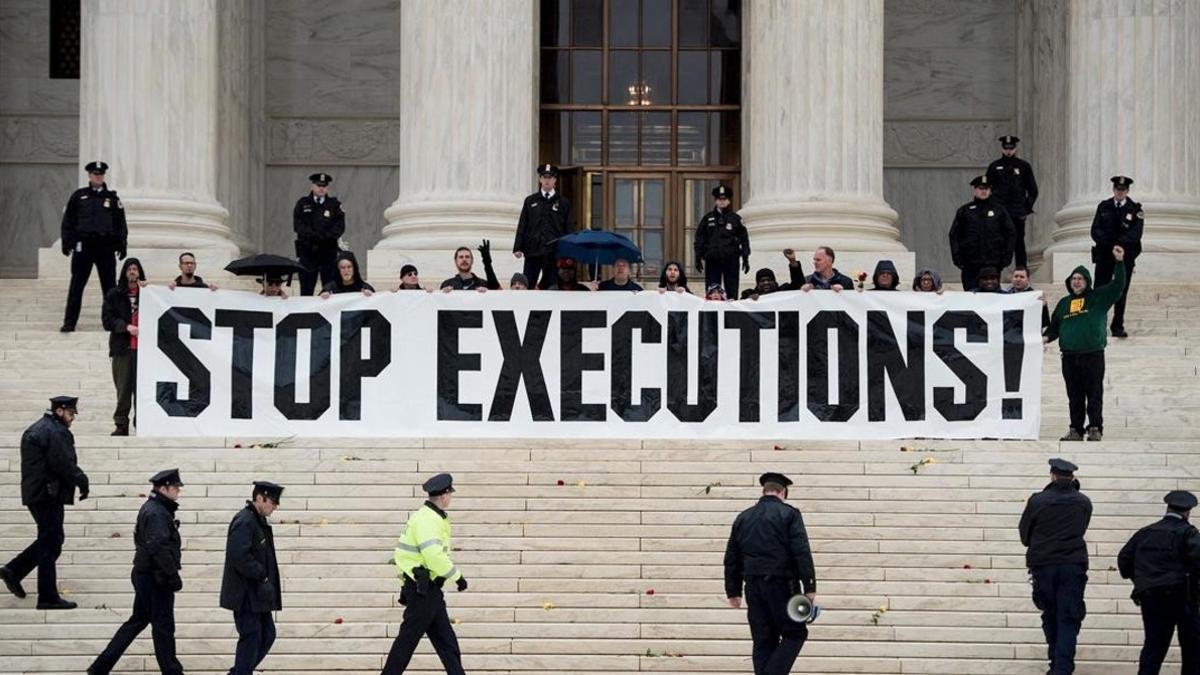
(1058, 592)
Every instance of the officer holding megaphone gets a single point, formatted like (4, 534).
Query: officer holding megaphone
(768, 553)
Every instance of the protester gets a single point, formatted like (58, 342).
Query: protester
(319, 222)
(765, 282)
(1078, 320)
(885, 278)
(1052, 527)
(466, 280)
(982, 234)
(49, 475)
(409, 281)
(928, 281)
(349, 279)
(721, 239)
(673, 278)
(272, 286)
(94, 234)
(1020, 284)
(518, 282)
(621, 280)
(187, 274)
(715, 292)
(545, 217)
(119, 314)
(825, 276)
(568, 276)
(485, 256)
(250, 582)
(988, 281)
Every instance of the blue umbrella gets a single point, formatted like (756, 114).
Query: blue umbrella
(598, 247)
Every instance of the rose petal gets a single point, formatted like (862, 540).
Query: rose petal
(338, 620)
(649, 591)
(561, 482)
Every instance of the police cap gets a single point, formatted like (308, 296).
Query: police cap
(167, 478)
(981, 182)
(1122, 182)
(268, 489)
(1062, 467)
(322, 179)
(1008, 141)
(1180, 499)
(547, 170)
(439, 485)
(68, 402)
(772, 477)
(96, 167)
(722, 192)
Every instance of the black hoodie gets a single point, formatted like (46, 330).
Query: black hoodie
(118, 310)
(356, 285)
(881, 267)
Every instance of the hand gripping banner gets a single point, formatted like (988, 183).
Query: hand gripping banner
(512, 364)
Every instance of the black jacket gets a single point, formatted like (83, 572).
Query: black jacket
(982, 235)
(542, 221)
(796, 280)
(197, 282)
(838, 279)
(49, 467)
(1053, 525)
(768, 540)
(1161, 556)
(472, 283)
(251, 570)
(117, 311)
(317, 225)
(94, 217)
(1013, 185)
(158, 548)
(720, 235)
(1113, 225)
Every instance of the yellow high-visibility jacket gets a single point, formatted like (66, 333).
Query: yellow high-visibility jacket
(426, 543)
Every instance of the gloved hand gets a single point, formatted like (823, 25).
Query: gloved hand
(84, 488)
(485, 252)
(176, 583)
(66, 249)
(462, 584)
(700, 266)
(746, 265)
(121, 252)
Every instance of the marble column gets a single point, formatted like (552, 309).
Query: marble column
(467, 128)
(1133, 108)
(812, 122)
(149, 106)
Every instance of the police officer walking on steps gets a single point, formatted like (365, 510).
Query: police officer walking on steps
(721, 239)
(1118, 222)
(423, 561)
(768, 551)
(1052, 529)
(156, 580)
(49, 475)
(250, 584)
(1016, 189)
(94, 234)
(319, 221)
(545, 216)
(1163, 560)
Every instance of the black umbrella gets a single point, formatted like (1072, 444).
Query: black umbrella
(265, 265)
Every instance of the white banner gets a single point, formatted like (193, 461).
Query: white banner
(791, 365)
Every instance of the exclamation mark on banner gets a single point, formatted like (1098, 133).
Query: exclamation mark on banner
(1014, 355)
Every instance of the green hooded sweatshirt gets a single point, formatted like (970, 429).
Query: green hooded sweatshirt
(1081, 321)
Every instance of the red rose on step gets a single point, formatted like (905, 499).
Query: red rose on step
(338, 620)
(649, 591)
(966, 567)
(561, 482)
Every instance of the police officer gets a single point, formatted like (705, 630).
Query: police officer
(721, 239)
(1015, 188)
(545, 216)
(1163, 560)
(49, 475)
(94, 234)
(1118, 222)
(250, 581)
(156, 580)
(982, 234)
(768, 551)
(423, 561)
(319, 221)
(1052, 528)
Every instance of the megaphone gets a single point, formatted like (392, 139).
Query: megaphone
(802, 610)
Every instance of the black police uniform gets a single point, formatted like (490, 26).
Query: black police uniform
(49, 475)
(1052, 527)
(94, 234)
(982, 235)
(318, 224)
(156, 565)
(1117, 225)
(768, 550)
(545, 216)
(250, 582)
(1016, 189)
(722, 239)
(1163, 560)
